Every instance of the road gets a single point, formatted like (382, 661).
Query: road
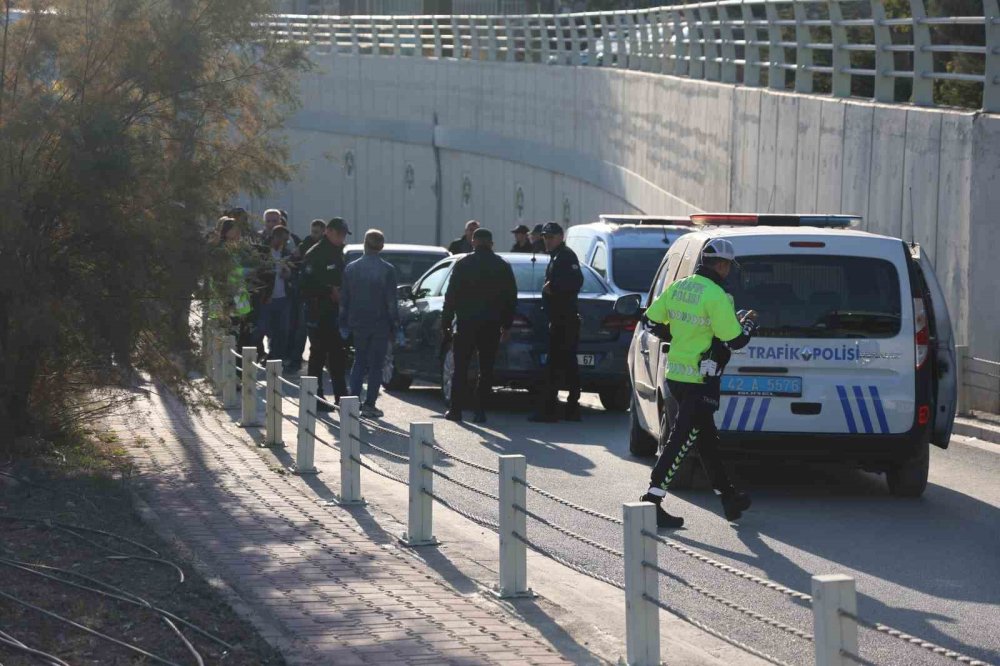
(928, 567)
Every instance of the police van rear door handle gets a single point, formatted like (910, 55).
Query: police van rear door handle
(664, 347)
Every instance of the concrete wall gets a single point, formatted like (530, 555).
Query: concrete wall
(583, 141)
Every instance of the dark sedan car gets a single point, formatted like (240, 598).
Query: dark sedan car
(604, 335)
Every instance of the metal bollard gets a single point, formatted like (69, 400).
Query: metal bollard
(642, 617)
(513, 552)
(228, 370)
(350, 451)
(219, 358)
(273, 405)
(420, 522)
(961, 361)
(249, 416)
(305, 450)
(834, 634)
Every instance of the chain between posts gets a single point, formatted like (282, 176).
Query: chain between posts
(385, 452)
(565, 502)
(462, 461)
(916, 641)
(570, 533)
(479, 520)
(541, 550)
(323, 441)
(375, 426)
(461, 484)
(777, 624)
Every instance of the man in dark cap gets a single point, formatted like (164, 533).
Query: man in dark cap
(563, 280)
(463, 244)
(521, 242)
(482, 295)
(322, 275)
(537, 244)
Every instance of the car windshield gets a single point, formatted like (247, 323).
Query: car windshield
(819, 296)
(634, 268)
(530, 277)
(409, 265)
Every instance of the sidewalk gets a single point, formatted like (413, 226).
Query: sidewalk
(326, 585)
(980, 425)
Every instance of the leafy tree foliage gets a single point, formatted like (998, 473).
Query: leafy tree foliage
(124, 126)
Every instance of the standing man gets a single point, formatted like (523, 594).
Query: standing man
(703, 331)
(482, 295)
(316, 231)
(521, 242)
(463, 244)
(369, 312)
(323, 273)
(274, 311)
(563, 280)
(272, 218)
(537, 244)
(297, 330)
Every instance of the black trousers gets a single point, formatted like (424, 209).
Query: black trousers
(561, 370)
(693, 425)
(326, 348)
(481, 336)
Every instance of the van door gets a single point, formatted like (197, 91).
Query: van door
(943, 351)
(644, 369)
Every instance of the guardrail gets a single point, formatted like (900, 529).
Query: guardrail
(833, 602)
(843, 48)
(978, 383)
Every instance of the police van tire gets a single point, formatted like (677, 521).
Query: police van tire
(909, 479)
(640, 443)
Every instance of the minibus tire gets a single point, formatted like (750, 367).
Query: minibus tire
(909, 479)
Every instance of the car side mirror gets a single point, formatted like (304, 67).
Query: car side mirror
(628, 306)
(404, 292)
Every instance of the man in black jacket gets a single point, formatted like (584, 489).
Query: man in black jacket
(482, 295)
(463, 244)
(563, 281)
(521, 242)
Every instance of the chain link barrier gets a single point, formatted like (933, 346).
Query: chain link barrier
(544, 552)
(375, 468)
(570, 533)
(323, 441)
(385, 452)
(479, 520)
(777, 624)
(567, 503)
(368, 423)
(460, 484)
(463, 461)
(916, 641)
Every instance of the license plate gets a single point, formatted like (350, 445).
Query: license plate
(762, 385)
(586, 360)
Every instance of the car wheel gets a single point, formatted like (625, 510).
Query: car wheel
(616, 398)
(640, 443)
(391, 379)
(685, 475)
(910, 478)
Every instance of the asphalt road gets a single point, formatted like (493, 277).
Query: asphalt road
(928, 567)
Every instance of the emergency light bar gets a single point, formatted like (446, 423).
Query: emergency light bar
(646, 220)
(767, 220)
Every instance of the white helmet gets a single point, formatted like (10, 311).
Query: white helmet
(719, 248)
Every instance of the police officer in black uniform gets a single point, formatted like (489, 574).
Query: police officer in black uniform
(537, 244)
(563, 280)
(521, 242)
(322, 275)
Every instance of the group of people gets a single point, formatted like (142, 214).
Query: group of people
(527, 240)
(284, 290)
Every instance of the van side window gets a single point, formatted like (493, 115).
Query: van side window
(579, 244)
(599, 262)
(660, 281)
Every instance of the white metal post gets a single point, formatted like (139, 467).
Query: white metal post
(229, 397)
(273, 404)
(305, 450)
(642, 617)
(834, 633)
(513, 553)
(350, 451)
(419, 528)
(249, 401)
(220, 357)
(961, 359)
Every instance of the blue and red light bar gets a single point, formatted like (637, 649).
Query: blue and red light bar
(768, 220)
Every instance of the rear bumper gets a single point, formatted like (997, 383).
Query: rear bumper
(873, 451)
(520, 366)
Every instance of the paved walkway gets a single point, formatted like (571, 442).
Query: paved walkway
(324, 584)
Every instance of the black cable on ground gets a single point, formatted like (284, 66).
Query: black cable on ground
(14, 644)
(158, 560)
(88, 630)
(47, 522)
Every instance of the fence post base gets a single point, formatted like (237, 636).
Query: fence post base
(421, 482)
(273, 412)
(513, 552)
(248, 390)
(835, 635)
(305, 449)
(350, 453)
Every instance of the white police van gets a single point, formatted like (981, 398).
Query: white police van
(626, 249)
(854, 359)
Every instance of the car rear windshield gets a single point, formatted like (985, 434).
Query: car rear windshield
(819, 296)
(530, 277)
(634, 268)
(409, 265)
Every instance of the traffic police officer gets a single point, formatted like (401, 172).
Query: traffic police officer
(322, 275)
(703, 329)
(563, 280)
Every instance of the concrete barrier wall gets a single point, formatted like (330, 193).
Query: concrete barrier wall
(534, 142)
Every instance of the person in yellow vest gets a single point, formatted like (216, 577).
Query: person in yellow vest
(698, 317)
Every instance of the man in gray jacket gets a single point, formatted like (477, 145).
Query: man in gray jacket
(369, 312)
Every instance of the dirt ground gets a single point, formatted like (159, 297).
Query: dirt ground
(50, 507)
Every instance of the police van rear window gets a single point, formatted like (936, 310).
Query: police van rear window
(819, 296)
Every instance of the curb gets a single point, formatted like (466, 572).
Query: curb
(982, 430)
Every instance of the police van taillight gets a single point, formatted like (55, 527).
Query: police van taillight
(922, 331)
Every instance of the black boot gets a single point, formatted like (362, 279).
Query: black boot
(454, 415)
(572, 411)
(734, 503)
(663, 519)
